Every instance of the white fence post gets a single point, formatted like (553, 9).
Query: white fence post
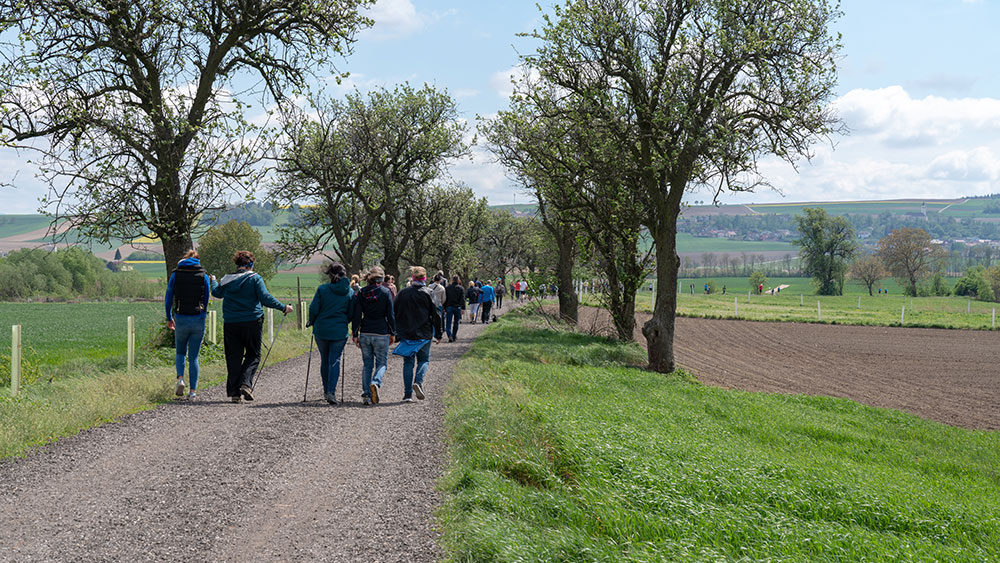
(801, 301)
(902, 315)
(15, 360)
(211, 327)
(270, 325)
(736, 306)
(131, 342)
(303, 314)
(819, 310)
(994, 317)
(968, 309)
(652, 299)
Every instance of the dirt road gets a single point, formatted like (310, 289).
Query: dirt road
(272, 480)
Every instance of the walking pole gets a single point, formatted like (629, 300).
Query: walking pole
(308, 366)
(260, 371)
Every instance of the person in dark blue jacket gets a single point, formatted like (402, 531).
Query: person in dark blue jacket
(486, 298)
(417, 321)
(186, 303)
(374, 331)
(243, 295)
(332, 308)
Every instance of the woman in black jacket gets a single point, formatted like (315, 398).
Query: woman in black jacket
(374, 330)
(454, 304)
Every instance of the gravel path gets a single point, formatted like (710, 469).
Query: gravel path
(272, 480)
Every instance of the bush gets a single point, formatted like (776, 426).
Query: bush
(974, 284)
(142, 256)
(217, 246)
(67, 273)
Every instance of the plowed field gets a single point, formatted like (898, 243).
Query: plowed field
(951, 376)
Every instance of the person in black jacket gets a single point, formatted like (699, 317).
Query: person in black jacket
(454, 305)
(374, 331)
(417, 322)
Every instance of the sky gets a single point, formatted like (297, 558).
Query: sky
(918, 88)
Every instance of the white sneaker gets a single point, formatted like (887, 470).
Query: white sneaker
(366, 401)
(418, 391)
(407, 399)
(192, 396)
(180, 387)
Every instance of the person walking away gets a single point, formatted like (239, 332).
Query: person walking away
(390, 284)
(186, 304)
(472, 295)
(331, 309)
(501, 292)
(417, 322)
(374, 331)
(487, 301)
(243, 295)
(454, 306)
(355, 283)
(438, 291)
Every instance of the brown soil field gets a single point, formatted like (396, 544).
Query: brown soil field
(951, 376)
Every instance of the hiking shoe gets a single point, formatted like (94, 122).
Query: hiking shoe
(374, 391)
(407, 399)
(192, 396)
(366, 401)
(331, 398)
(247, 392)
(418, 391)
(180, 387)
(236, 399)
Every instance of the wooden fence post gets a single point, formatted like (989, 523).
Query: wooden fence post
(131, 342)
(212, 337)
(15, 360)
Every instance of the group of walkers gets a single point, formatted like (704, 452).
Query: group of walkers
(372, 317)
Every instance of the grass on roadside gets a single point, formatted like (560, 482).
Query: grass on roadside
(562, 451)
(87, 394)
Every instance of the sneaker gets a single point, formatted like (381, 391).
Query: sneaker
(407, 399)
(236, 399)
(331, 398)
(180, 387)
(418, 391)
(192, 396)
(366, 401)
(374, 390)
(247, 392)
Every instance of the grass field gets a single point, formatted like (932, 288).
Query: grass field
(561, 451)
(690, 243)
(74, 367)
(13, 225)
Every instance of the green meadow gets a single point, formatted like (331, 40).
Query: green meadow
(561, 449)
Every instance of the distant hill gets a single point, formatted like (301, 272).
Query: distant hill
(958, 208)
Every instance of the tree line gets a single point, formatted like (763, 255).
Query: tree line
(138, 113)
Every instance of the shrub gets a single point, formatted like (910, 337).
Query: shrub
(217, 246)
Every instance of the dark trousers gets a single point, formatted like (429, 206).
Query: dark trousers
(242, 342)
(487, 306)
(499, 301)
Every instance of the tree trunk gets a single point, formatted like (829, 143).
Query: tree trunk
(659, 330)
(174, 249)
(569, 303)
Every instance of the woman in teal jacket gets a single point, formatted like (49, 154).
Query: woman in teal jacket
(329, 313)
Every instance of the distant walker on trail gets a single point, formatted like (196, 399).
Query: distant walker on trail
(243, 294)
(186, 304)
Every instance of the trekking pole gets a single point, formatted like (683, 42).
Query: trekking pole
(260, 371)
(308, 366)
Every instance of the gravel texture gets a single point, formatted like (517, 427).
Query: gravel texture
(272, 480)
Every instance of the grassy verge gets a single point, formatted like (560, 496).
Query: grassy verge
(561, 451)
(86, 394)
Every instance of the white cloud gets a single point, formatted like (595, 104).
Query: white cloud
(892, 117)
(977, 165)
(503, 81)
(394, 19)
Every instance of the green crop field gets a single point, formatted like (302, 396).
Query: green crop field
(13, 225)
(561, 450)
(854, 207)
(690, 243)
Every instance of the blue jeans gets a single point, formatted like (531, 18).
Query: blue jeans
(423, 358)
(330, 352)
(374, 354)
(189, 331)
(452, 316)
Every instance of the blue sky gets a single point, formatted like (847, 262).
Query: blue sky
(919, 87)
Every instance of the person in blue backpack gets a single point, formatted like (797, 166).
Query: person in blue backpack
(331, 310)
(186, 302)
(243, 294)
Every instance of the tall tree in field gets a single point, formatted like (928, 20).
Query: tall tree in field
(362, 161)
(910, 256)
(869, 270)
(697, 91)
(826, 246)
(132, 104)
